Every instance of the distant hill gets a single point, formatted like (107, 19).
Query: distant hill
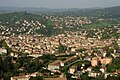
(99, 12)
(34, 10)
(15, 19)
(26, 23)
(110, 12)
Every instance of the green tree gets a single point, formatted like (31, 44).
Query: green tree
(62, 48)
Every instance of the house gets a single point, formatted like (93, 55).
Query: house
(14, 54)
(35, 55)
(55, 79)
(20, 78)
(100, 19)
(106, 75)
(116, 72)
(94, 61)
(67, 60)
(72, 49)
(105, 61)
(54, 66)
(87, 58)
(72, 69)
(3, 50)
(36, 74)
(61, 77)
(93, 74)
(89, 69)
(103, 69)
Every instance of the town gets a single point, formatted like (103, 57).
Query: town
(50, 47)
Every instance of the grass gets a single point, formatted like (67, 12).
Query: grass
(98, 24)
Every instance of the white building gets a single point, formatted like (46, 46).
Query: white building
(72, 69)
(20, 78)
(3, 50)
(54, 66)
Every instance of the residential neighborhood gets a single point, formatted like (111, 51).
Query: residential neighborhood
(60, 45)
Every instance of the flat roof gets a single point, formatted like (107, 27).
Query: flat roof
(65, 61)
(55, 79)
(56, 62)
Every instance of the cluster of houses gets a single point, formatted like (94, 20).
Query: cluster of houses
(27, 26)
(30, 26)
(96, 60)
(38, 45)
(35, 74)
(73, 70)
(55, 66)
(35, 45)
(70, 21)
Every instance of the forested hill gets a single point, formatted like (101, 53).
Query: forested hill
(111, 12)
(57, 22)
(26, 23)
(104, 12)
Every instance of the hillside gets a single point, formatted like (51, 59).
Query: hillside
(107, 12)
(56, 22)
(25, 23)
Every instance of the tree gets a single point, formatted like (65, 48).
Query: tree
(113, 78)
(85, 77)
(62, 48)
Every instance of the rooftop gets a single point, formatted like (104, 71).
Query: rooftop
(56, 62)
(65, 61)
(55, 79)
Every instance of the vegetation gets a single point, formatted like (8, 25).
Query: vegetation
(18, 23)
(115, 65)
(9, 20)
(62, 48)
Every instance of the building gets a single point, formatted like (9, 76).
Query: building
(20, 78)
(72, 69)
(105, 61)
(103, 69)
(35, 74)
(61, 77)
(55, 79)
(89, 69)
(94, 61)
(3, 50)
(116, 72)
(67, 60)
(93, 74)
(35, 55)
(54, 66)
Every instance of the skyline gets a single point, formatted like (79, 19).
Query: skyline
(59, 4)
